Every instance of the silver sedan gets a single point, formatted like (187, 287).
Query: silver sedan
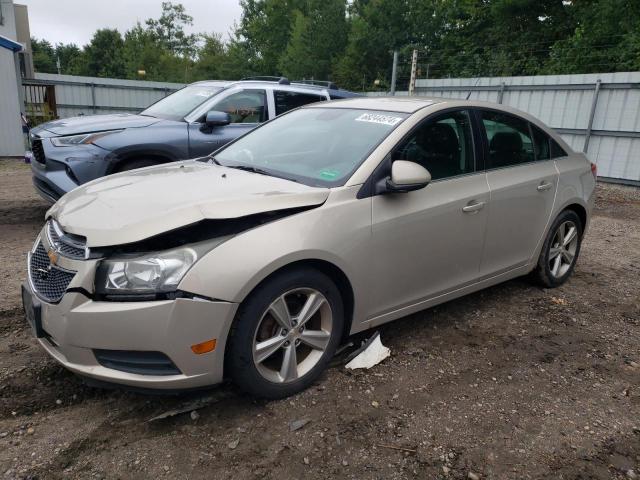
(256, 262)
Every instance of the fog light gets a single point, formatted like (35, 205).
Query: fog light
(204, 347)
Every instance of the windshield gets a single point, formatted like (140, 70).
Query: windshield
(315, 146)
(177, 105)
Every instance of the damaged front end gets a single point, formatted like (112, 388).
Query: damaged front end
(151, 269)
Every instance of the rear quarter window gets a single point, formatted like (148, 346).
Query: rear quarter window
(541, 143)
(556, 150)
(286, 101)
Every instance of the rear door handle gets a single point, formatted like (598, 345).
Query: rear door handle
(544, 186)
(473, 206)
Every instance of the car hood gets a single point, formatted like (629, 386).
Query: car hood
(139, 204)
(94, 123)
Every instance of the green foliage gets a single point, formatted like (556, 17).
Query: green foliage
(44, 56)
(318, 38)
(352, 41)
(606, 38)
(265, 30)
(70, 57)
(104, 55)
(169, 32)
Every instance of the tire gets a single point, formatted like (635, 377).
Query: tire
(259, 328)
(547, 272)
(134, 164)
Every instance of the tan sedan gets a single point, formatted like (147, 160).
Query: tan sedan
(256, 262)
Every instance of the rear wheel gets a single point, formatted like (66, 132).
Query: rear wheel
(285, 334)
(560, 250)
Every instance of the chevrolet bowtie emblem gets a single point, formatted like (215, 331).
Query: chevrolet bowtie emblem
(53, 257)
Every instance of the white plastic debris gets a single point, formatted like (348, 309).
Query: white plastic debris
(372, 354)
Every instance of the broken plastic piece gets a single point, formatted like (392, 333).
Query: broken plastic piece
(371, 354)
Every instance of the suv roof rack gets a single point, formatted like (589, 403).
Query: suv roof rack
(269, 78)
(319, 83)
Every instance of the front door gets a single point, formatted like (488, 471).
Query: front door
(430, 241)
(523, 182)
(247, 108)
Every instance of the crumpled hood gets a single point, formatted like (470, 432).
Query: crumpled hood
(135, 205)
(94, 123)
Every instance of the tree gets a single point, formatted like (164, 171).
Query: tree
(210, 57)
(318, 38)
(44, 56)
(606, 38)
(103, 57)
(264, 30)
(169, 30)
(142, 51)
(70, 57)
(377, 27)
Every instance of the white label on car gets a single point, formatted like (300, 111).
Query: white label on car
(377, 118)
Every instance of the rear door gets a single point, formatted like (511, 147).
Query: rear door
(247, 108)
(523, 182)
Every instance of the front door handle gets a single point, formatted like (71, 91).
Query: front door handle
(544, 186)
(473, 206)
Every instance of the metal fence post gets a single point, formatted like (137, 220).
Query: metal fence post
(394, 70)
(501, 92)
(93, 97)
(594, 104)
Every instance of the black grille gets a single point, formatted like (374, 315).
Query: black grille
(38, 150)
(49, 281)
(141, 363)
(45, 189)
(65, 245)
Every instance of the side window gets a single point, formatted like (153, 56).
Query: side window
(556, 150)
(540, 143)
(248, 106)
(442, 145)
(508, 138)
(286, 101)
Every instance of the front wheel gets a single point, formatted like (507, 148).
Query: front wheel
(285, 333)
(560, 250)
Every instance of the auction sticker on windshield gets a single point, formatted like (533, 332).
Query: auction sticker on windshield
(378, 118)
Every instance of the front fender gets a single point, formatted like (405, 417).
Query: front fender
(336, 235)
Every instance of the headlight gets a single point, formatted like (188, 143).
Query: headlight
(82, 139)
(153, 273)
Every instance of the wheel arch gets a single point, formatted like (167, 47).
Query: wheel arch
(330, 269)
(580, 211)
(123, 159)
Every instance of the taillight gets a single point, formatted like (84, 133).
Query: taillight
(594, 170)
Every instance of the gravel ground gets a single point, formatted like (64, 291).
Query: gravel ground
(512, 382)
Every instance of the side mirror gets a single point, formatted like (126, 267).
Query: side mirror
(215, 118)
(407, 176)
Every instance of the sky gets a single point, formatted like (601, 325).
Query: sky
(74, 21)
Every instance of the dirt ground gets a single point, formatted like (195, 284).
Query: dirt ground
(514, 382)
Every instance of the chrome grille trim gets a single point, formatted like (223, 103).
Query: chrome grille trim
(64, 244)
(48, 281)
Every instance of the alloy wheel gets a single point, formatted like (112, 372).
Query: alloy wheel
(562, 252)
(292, 335)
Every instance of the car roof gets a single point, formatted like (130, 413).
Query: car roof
(390, 104)
(293, 86)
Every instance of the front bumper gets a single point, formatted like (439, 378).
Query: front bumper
(58, 170)
(77, 326)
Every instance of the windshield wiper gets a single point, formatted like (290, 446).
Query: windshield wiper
(247, 168)
(212, 158)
